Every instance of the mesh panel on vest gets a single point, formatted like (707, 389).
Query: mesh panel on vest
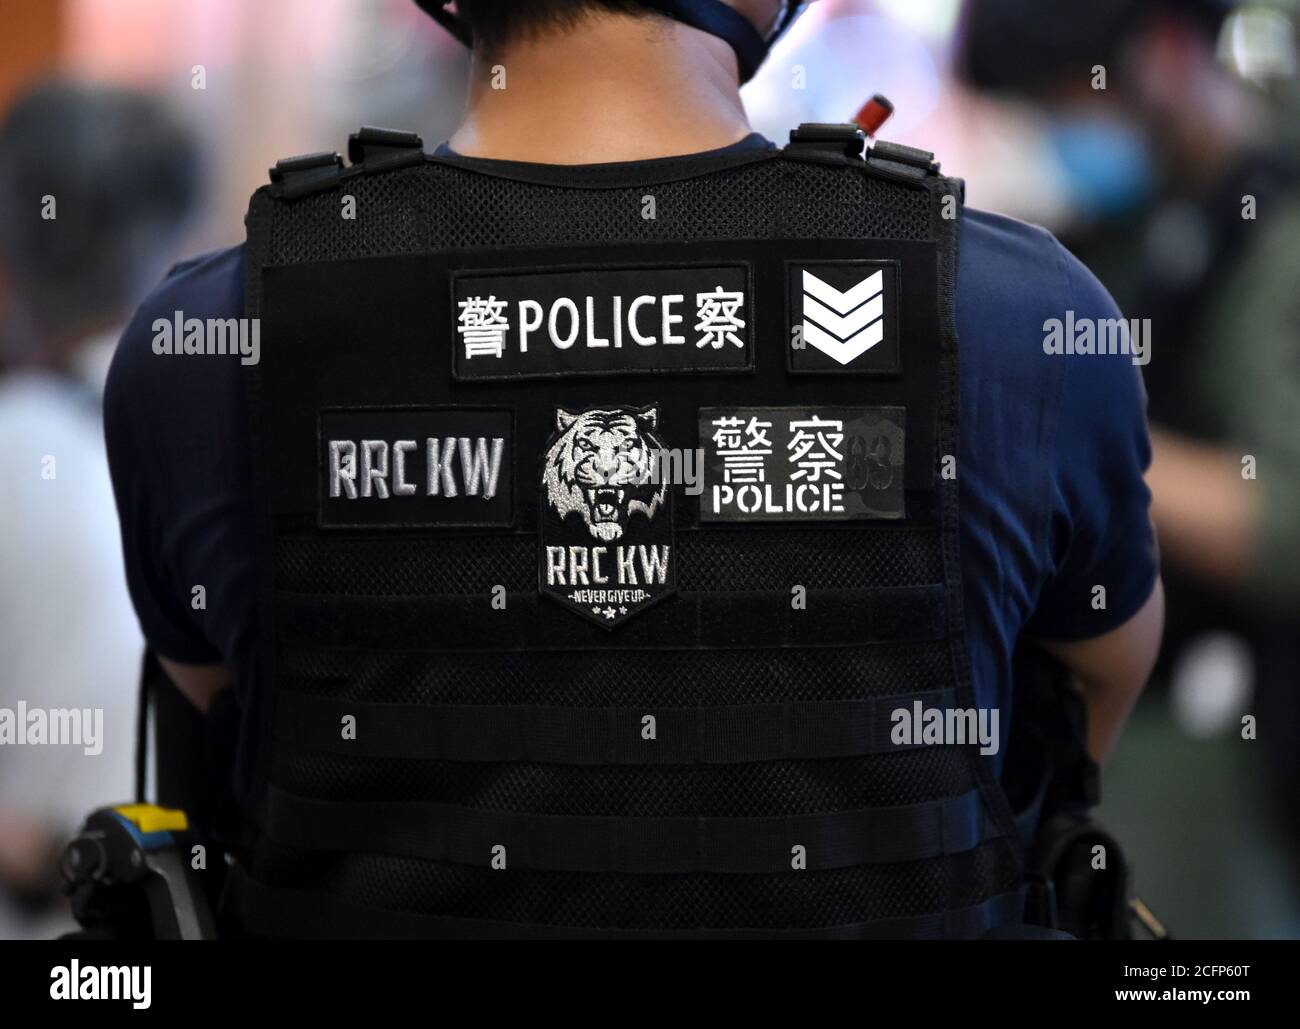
(437, 207)
(441, 207)
(590, 678)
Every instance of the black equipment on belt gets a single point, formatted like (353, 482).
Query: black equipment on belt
(1079, 880)
(139, 871)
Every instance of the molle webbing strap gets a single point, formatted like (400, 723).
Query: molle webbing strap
(639, 846)
(733, 734)
(317, 914)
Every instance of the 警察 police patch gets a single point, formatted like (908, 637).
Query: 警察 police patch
(602, 321)
(808, 464)
(606, 537)
(843, 316)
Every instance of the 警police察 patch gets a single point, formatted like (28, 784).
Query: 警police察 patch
(843, 316)
(806, 464)
(602, 321)
(416, 467)
(605, 548)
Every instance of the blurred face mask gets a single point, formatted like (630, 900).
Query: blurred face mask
(1106, 164)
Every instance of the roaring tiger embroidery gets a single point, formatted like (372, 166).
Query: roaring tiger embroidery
(600, 467)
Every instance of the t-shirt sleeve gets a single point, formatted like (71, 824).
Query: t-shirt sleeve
(153, 428)
(1102, 543)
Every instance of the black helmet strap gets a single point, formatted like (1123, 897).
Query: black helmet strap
(717, 19)
(711, 16)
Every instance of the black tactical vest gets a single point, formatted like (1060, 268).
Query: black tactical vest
(603, 537)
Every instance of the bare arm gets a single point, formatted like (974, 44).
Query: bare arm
(1112, 670)
(1202, 508)
(199, 683)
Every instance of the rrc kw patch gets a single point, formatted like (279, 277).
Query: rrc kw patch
(605, 545)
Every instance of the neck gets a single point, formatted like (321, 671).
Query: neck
(610, 88)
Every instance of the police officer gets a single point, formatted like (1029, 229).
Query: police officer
(623, 525)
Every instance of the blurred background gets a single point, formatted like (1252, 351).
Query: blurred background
(1156, 138)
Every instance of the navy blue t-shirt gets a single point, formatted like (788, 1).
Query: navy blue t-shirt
(1053, 450)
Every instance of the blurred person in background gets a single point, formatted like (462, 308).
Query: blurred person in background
(95, 184)
(1185, 203)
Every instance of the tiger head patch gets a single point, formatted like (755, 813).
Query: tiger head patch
(606, 545)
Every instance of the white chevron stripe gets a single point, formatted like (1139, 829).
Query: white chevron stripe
(843, 303)
(844, 350)
(843, 328)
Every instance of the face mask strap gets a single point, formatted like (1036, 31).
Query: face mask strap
(790, 13)
(437, 10)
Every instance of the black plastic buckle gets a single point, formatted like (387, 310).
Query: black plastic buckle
(844, 139)
(309, 173)
(371, 144)
(897, 153)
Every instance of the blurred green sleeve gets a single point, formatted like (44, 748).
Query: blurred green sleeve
(1249, 382)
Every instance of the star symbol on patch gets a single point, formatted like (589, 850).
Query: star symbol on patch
(595, 609)
(622, 610)
(608, 612)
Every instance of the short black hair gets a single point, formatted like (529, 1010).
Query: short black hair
(494, 22)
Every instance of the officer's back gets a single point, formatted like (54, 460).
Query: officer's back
(607, 553)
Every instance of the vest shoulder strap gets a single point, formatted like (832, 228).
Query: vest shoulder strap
(845, 144)
(371, 150)
(845, 140)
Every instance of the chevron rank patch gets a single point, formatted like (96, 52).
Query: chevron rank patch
(801, 464)
(843, 316)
